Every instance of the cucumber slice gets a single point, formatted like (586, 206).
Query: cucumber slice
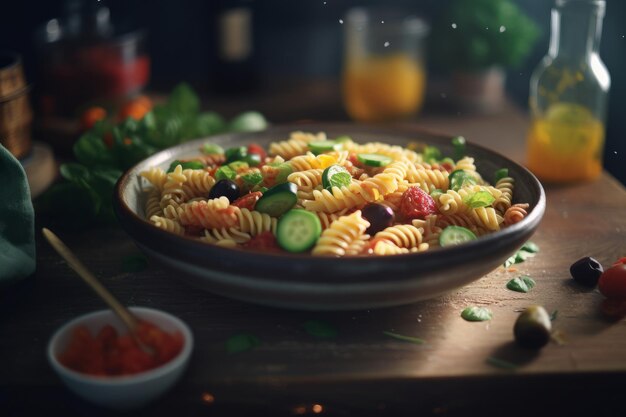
(278, 199)
(323, 146)
(459, 178)
(335, 176)
(298, 230)
(374, 159)
(252, 159)
(455, 235)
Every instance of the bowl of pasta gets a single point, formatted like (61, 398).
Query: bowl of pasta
(329, 216)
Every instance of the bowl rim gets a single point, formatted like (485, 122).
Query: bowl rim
(120, 380)
(531, 221)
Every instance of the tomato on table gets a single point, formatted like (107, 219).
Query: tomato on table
(612, 283)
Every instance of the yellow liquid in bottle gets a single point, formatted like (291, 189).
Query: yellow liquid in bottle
(566, 145)
(383, 87)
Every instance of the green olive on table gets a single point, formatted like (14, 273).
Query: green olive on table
(532, 327)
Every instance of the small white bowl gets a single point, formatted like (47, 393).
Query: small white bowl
(121, 392)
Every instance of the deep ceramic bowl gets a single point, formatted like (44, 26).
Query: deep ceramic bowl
(322, 283)
(121, 392)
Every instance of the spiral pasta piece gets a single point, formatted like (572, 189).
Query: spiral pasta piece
(254, 222)
(168, 225)
(402, 235)
(327, 218)
(306, 180)
(486, 217)
(153, 204)
(199, 181)
(297, 144)
(430, 178)
(358, 246)
(340, 199)
(336, 239)
(231, 233)
(310, 161)
(156, 176)
(211, 214)
(515, 214)
(505, 185)
(463, 220)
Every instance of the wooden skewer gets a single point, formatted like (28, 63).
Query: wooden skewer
(129, 319)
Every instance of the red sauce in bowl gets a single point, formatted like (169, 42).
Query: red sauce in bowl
(110, 354)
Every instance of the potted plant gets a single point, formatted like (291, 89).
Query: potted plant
(476, 41)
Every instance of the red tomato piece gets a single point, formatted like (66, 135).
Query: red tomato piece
(92, 115)
(612, 283)
(620, 261)
(106, 337)
(264, 241)
(416, 204)
(613, 308)
(257, 149)
(248, 201)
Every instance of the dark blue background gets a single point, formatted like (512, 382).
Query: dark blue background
(304, 39)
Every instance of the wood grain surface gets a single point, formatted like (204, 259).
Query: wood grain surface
(359, 371)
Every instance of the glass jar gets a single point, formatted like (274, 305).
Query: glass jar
(568, 97)
(384, 77)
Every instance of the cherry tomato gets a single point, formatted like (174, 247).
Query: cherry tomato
(612, 283)
(416, 204)
(265, 241)
(91, 116)
(136, 108)
(248, 201)
(257, 149)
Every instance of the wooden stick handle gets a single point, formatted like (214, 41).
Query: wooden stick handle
(126, 316)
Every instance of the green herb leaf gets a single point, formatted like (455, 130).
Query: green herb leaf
(431, 154)
(320, 329)
(460, 178)
(528, 250)
(209, 123)
(500, 363)
(185, 165)
(225, 173)
(211, 149)
(458, 143)
(241, 343)
(477, 314)
(501, 173)
(522, 283)
(530, 247)
(479, 199)
(436, 193)
(554, 315)
(404, 338)
(134, 263)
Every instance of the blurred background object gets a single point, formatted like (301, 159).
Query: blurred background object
(568, 96)
(84, 60)
(477, 42)
(15, 111)
(384, 74)
(297, 55)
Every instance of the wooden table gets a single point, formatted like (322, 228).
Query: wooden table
(360, 371)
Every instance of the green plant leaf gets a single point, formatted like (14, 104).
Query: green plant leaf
(522, 283)
(320, 329)
(404, 338)
(241, 343)
(477, 314)
(479, 199)
(183, 100)
(528, 250)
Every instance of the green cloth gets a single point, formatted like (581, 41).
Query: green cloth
(17, 221)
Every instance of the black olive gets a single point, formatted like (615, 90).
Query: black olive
(532, 328)
(586, 271)
(380, 217)
(225, 188)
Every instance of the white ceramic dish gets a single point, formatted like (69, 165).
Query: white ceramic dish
(121, 392)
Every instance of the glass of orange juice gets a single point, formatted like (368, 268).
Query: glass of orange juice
(384, 76)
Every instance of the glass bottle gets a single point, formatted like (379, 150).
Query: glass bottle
(568, 97)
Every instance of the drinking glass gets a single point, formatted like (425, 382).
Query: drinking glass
(384, 76)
